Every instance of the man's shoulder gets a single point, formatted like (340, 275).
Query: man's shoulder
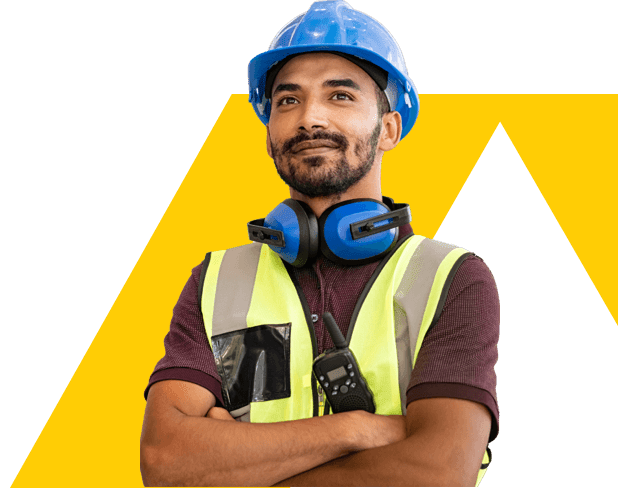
(473, 260)
(203, 266)
(442, 244)
(473, 284)
(474, 269)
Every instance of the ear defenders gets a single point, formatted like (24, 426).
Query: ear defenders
(352, 232)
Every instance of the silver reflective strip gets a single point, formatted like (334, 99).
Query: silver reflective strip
(234, 288)
(410, 301)
(404, 352)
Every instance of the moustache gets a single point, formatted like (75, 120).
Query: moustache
(338, 139)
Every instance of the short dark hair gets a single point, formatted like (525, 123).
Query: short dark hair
(383, 105)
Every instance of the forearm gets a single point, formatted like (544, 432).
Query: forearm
(392, 465)
(198, 451)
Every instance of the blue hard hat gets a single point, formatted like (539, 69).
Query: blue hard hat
(336, 27)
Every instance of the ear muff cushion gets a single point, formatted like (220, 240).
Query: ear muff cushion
(300, 231)
(284, 219)
(336, 241)
(307, 231)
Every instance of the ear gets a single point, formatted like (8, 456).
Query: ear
(269, 148)
(391, 131)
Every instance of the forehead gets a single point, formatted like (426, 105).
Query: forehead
(316, 67)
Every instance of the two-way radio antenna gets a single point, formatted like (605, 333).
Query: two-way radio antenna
(334, 331)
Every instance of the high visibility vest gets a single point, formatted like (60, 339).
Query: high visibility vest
(260, 330)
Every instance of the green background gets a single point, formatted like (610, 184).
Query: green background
(105, 106)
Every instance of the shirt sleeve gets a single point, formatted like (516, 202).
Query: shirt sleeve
(458, 354)
(188, 356)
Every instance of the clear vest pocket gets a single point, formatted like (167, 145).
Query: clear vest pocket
(254, 364)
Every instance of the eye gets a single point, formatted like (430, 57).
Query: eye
(341, 96)
(286, 101)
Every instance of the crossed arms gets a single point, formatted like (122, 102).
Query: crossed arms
(440, 442)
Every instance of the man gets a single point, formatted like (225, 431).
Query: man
(250, 321)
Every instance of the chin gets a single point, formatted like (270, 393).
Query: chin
(314, 160)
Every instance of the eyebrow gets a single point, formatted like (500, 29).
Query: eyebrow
(328, 83)
(347, 82)
(286, 87)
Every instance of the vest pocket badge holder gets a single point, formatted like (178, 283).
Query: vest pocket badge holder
(254, 364)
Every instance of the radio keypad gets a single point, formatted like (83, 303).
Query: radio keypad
(343, 384)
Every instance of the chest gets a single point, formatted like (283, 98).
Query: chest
(331, 288)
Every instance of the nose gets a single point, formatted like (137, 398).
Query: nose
(313, 116)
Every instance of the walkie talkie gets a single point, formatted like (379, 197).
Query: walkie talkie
(337, 371)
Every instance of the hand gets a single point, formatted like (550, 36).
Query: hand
(219, 414)
(378, 430)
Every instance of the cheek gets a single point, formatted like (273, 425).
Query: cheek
(355, 124)
(276, 128)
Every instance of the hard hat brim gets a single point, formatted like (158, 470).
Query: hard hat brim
(260, 64)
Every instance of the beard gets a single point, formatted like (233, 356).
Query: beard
(317, 179)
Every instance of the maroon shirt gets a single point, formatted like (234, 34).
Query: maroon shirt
(456, 359)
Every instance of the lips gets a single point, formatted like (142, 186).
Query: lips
(314, 144)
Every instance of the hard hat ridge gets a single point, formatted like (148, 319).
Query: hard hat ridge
(333, 26)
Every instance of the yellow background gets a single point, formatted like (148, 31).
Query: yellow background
(566, 141)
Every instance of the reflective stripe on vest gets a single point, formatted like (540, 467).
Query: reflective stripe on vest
(249, 300)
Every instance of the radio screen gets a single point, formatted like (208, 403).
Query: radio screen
(335, 374)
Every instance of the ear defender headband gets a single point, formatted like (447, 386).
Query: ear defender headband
(348, 233)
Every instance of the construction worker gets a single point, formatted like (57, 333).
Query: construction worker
(251, 390)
